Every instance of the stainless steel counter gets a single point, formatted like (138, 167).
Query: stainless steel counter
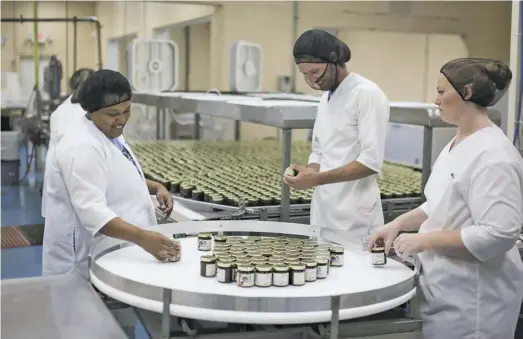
(55, 307)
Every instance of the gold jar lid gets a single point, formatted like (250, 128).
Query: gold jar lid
(225, 264)
(258, 262)
(292, 257)
(236, 248)
(220, 238)
(280, 268)
(220, 253)
(225, 257)
(204, 235)
(378, 249)
(291, 262)
(245, 268)
(322, 260)
(292, 253)
(324, 246)
(275, 261)
(337, 250)
(208, 258)
(297, 267)
(234, 239)
(264, 268)
(310, 264)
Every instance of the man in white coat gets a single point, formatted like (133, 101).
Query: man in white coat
(348, 142)
(96, 186)
(66, 116)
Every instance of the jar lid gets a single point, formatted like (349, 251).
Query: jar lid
(291, 262)
(220, 237)
(204, 235)
(264, 268)
(228, 256)
(311, 263)
(337, 249)
(380, 248)
(225, 264)
(297, 267)
(281, 268)
(207, 258)
(322, 260)
(245, 268)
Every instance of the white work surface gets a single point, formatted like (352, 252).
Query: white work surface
(356, 276)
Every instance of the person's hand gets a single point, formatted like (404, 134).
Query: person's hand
(165, 200)
(406, 244)
(307, 178)
(384, 235)
(159, 246)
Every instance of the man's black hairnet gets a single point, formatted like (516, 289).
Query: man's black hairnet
(104, 88)
(318, 46)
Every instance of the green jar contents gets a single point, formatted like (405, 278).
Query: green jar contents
(204, 242)
(263, 275)
(297, 275)
(245, 276)
(280, 275)
(207, 266)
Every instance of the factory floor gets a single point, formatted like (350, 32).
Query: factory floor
(21, 205)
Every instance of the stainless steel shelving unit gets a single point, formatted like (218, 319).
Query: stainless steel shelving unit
(288, 112)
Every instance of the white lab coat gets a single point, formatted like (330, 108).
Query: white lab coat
(65, 118)
(90, 182)
(351, 126)
(477, 188)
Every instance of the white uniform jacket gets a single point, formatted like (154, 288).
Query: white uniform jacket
(90, 182)
(351, 126)
(475, 187)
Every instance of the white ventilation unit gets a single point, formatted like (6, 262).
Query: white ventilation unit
(153, 65)
(245, 69)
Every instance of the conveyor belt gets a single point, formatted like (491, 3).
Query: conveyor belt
(225, 173)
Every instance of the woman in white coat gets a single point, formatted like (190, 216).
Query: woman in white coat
(96, 186)
(64, 118)
(348, 142)
(471, 282)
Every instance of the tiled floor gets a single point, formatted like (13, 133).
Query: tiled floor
(21, 205)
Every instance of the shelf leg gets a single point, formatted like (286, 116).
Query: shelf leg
(335, 319)
(286, 161)
(158, 123)
(427, 158)
(166, 313)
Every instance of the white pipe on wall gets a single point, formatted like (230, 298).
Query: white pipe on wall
(514, 91)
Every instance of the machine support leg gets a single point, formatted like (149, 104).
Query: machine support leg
(427, 158)
(165, 128)
(166, 313)
(286, 161)
(335, 318)
(158, 110)
(237, 127)
(196, 133)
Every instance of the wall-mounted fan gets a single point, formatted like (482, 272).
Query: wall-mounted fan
(246, 67)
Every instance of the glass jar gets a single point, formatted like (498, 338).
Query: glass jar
(245, 275)
(379, 258)
(204, 242)
(225, 272)
(297, 275)
(207, 266)
(263, 275)
(280, 275)
(337, 256)
(311, 268)
(322, 271)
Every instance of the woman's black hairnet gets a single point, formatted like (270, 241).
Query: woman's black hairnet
(488, 79)
(104, 88)
(318, 46)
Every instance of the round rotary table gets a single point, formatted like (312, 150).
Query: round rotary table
(127, 273)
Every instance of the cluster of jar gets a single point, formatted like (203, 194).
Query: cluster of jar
(267, 261)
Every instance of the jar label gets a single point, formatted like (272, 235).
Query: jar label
(337, 260)
(204, 245)
(245, 279)
(322, 271)
(263, 279)
(378, 258)
(210, 270)
(298, 278)
(281, 279)
(310, 274)
(221, 274)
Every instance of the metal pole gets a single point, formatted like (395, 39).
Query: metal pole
(514, 91)
(75, 42)
(286, 161)
(427, 158)
(99, 34)
(295, 18)
(166, 313)
(335, 318)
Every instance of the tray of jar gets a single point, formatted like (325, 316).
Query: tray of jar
(199, 285)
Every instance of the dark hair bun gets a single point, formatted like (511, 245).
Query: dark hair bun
(499, 73)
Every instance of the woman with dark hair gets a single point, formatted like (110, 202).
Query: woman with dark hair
(471, 281)
(96, 186)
